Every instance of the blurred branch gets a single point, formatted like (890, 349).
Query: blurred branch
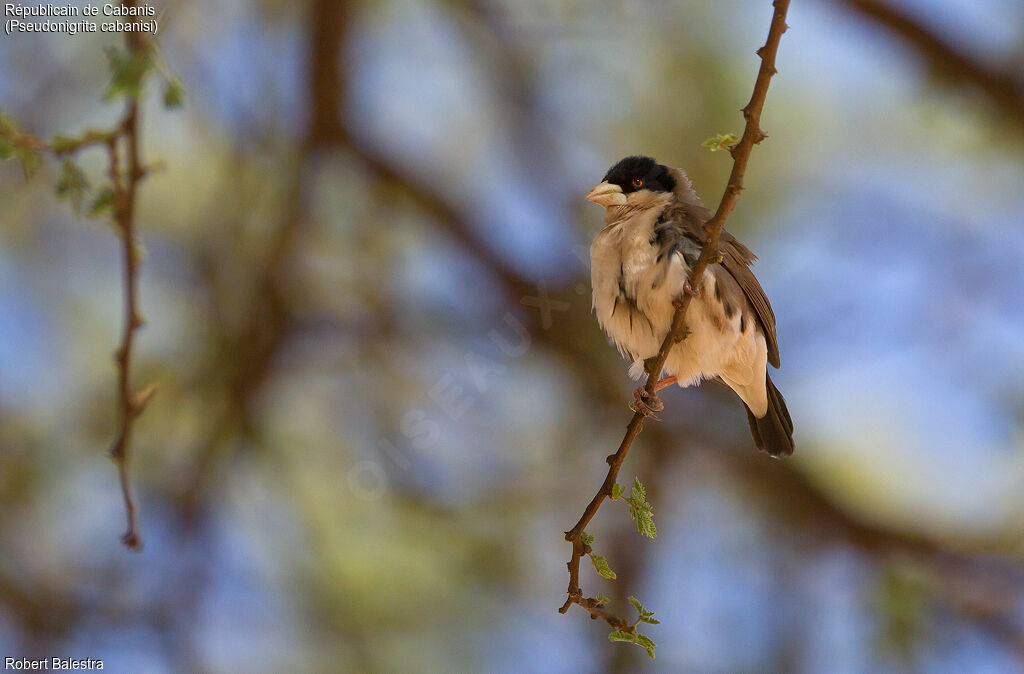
(130, 403)
(1002, 86)
(245, 353)
(128, 75)
(752, 134)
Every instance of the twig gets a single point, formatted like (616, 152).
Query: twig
(130, 403)
(752, 134)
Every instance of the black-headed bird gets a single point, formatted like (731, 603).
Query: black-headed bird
(640, 262)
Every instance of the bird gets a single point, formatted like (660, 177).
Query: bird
(640, 262)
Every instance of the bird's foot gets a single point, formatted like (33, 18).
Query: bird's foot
(646, 403)
(687, 290)
(665, 382)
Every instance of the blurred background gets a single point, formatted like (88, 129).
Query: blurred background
(382, 394)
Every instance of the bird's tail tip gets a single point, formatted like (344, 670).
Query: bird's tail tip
(773, 433)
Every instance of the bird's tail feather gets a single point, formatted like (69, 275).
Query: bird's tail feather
(773, 433)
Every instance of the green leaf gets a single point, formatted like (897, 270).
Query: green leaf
(601, 564)
(601, 599)
(639, 492)
(645, 524)
(722, 141)
(103, 203)
(30, 161)
(646, 643)
(619, 635)
(617, 490)
(640, 640)
(72, 185)
(174, 93)
(586, 538)
(645, 615)
(128, 71)
(12, 144)
(640, 510)
(8, 134)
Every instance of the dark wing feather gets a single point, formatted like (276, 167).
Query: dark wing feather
(685, 218)
(736, 259)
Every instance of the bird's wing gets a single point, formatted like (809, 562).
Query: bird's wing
(736, 259)
(685, 218)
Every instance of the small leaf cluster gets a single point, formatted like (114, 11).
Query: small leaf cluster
(129, 70)
(601, 565)
(641, 640)
(627, 634)
(639, 508)
(599, 562)
(634, 637)
(645, 615)
(72, 185)
(723, 141)
(14, 143)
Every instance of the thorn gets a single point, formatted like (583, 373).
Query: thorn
(141, 398)
(773, 71)
(117, 449)
(681, 336)
(131, 540)
(760, 52)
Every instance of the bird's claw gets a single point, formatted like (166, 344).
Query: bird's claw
(646, 403)
(688, 289)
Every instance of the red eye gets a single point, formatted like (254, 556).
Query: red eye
(638, 183)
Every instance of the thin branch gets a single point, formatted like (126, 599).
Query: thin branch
(752, 134)
(130, 403)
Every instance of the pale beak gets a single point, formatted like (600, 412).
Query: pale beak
(607, 194)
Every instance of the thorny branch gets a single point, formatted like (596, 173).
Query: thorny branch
(130, 403)
(752, 134)
(125, 171)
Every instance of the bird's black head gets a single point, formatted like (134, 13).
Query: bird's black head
(637, 173)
